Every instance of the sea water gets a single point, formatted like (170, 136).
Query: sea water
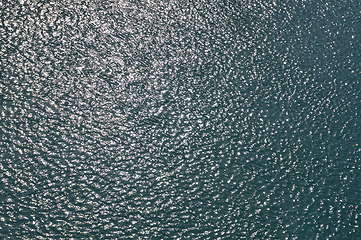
(180, 119)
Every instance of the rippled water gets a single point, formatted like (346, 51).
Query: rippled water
(180, 119)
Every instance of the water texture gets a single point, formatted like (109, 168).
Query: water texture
(180, 119)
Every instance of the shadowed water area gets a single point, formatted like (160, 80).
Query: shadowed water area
(180, 119)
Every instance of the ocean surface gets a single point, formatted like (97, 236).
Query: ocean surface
(187, 119)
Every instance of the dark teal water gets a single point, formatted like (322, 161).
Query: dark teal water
(180, 119)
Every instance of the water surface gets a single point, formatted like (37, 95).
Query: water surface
(180, 120)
